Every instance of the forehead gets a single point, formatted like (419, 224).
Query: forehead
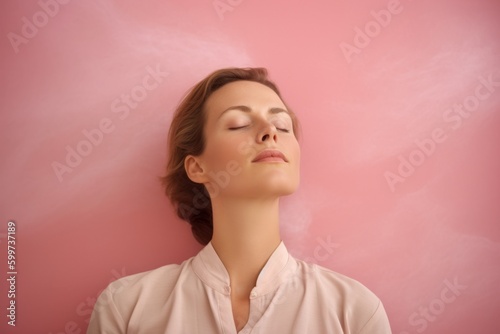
(249, 93)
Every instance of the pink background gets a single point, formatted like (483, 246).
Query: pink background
(400, 188)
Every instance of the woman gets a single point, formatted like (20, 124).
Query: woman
(233, 152)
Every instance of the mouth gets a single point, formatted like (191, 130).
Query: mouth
(270, 156)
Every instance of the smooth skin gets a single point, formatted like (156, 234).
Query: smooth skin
(243, 118)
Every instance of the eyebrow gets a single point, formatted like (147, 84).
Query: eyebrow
(274, 110)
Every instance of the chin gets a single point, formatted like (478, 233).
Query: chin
(277, 187)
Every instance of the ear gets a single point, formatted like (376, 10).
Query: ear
(194, 169)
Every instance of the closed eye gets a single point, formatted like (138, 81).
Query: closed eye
(237, 127)
(244, 126)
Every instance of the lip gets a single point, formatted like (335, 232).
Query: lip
(270, 156)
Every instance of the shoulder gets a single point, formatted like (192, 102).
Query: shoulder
(352, 301)
(121, 298)
(326, 278)
(128, 292)
(342, 285)
(163, 278)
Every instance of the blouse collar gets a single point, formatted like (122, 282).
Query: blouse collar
(210, 269)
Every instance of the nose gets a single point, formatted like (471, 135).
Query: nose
(268, 132)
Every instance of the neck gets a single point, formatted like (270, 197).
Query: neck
(246, 233)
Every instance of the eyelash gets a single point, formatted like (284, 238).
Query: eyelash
(242, 127)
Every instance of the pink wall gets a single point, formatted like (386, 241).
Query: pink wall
(400, 109)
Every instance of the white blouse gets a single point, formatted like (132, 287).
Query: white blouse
(291, 296)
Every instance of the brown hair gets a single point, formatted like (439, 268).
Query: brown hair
(186, 137)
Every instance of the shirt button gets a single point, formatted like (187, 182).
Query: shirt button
(227, 288)
(253, 294)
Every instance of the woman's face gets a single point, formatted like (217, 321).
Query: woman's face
(244, 121)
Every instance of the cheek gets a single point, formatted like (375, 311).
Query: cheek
(246, 148)
(295, 151)
(220, 152)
